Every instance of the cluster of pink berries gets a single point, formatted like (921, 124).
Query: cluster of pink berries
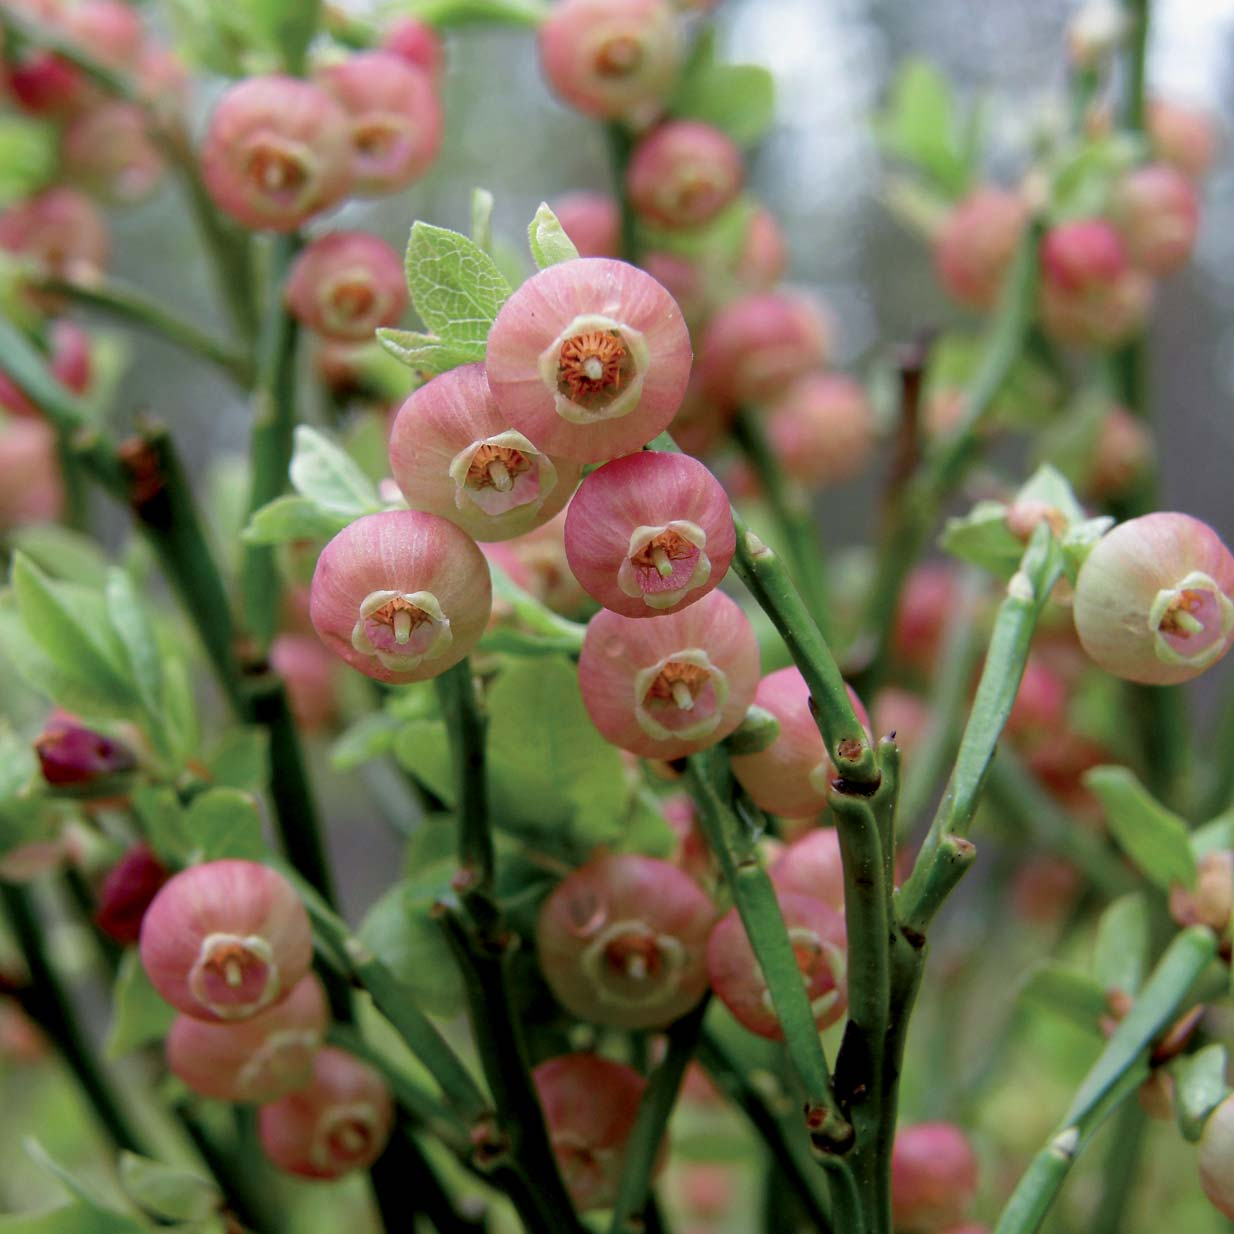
(228, 944)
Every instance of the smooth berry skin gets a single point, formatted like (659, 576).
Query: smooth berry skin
(257, 1060)
(419, 44)
(823, 429)
(683, 174)
(764, 256)
(61, 232)
(933, 1178)
(31, 487)
(277, 151)
(1154, 600)
(401, 553)
(438, 443)
(629, 669)
(108, 150)
(551, 336)
(1215, 1155)
(817, 933)
(307, 670)
(611, 59)
(1157, 211)
(395, 119)
(812, 867)
(590, 1105)
(902, 713)
(1183, 136)
(592, 221)
(793, 775)
(622, 941)
(1079, 255)
(755, 347)
(626, 510)
(345, 285)
(929, 602)
(338, 1124)
(127, 891)
(976, 243)
(212, 917)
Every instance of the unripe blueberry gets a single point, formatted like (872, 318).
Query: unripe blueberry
(339, 1123)
(31, 490)
(108, 29)
(701, 421)
(346, 284)
(590, 1105)
(928, 603)
(224, 940)
(1040, 707)
(542, 568)
(592, 221)
(649, 533)
(1158, 215)
(454, 454)
(683, 173)
(277, 151)
(127, 891)
(1215, 1154)
(610, 58)
(1183, 136)
(417, 43)
(754, 348)
(812, 867)
(688, 282)
(623, 941)
(108, 151)
(307, 670)
(817, 934)
(823, 429)
(933, 1178)
(1122, 453)
(402, 595)
(764, 256)
(1082, 254)
(259, 1059)
(60, 231)
(976, 243)
(589, 359)
(394, 119)
(1153, 600)
(1211, 900)
(673, 686)
(793, 775)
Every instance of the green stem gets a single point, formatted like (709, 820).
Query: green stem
(1119, 1169)
(48, 1004)
(620, 146)
(643, 1146)
(406, 1185)
(734, 845)
(1135, 98)
(1219, 794)
(134, 306)
(790, 507)
(1116, 1074)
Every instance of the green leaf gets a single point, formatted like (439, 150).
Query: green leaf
(368, 738)
(548, 240)
(1199, 1087)
(287, 26)
(61, 552)
(427, 353)
(738, 99)
(179, 706)
(1049, 487)
(167, 1192)
(71, 1219)
(920, 125)
(529, 13)
(292, 518)
(422, 747)
(135, 634)
(241, 759)
(456, 287)
(1067, 992)
(163, 823)
(1214, 836)
(1087, 174)
(1120, 958)
(482, 218)
(27, 156)
(983, 538)
(328, 476)
(139, 1015)
(224, 822)
(1153, 837)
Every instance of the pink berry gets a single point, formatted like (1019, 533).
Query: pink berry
(691, 854)
(224, 940)
(1211, 900)
(688, 282)
(394, 118)
(933, 1178)
(903, 713)
(162, 78)
(670, 687)
(108, 29)
(339, 1123)
(307, 670)
(764, 256)
(1215, 1154)
(419, 44)
(611, 58)
(1157, 211)
(1079, 255)
(45, 84)
(817, 934)
(454, 454)
(589, 359)
(277, 151)
(928, 604)
(70, 365)
(401, 596)
(108, 151)
(701, 422)
(812, 867)
(60, 231)
(1120, 456)
(346, 284)
(127, 891)
(592, 221)
(1153, 601)
(259, 1059)
(542, 568)
(823, 429)
(31, 490)
(756, 347)
(1183, 136)
(1040, 707)
(590, 1105)
(793, 775)
(683, 174)
(976, 244)
(649, 533)
(623, 941)
(1044, 889)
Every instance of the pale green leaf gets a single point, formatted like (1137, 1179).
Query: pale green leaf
(1120, 958)
(369, 737)
(1199, 1087)
(291, 518)
(224, 822)
(737, 99)
(426, 353)
(548, 240)
(241, 759)
(328, 476)
(1067, 992)
(139, 1015)
(528, 13)
(61, 552)
(166, 1191)
(482, 218)
(456, 287)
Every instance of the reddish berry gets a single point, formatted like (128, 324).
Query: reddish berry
(31, 490)
(933, 1178)
(902, 713)
(127, 891)
(108, 151)
(683, 174)
(764, 257)
(1183, 136)
(1120, 456)
(346, 284)
(1211, 900)
(592, 221)
(812, 867)
(419, 44)
(60, 231)
(307, 670)
(823, 429)
(975, 246)
(72, 755)
(1157, 211)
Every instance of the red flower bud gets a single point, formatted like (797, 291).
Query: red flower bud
(127, 891)
(74, 756)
